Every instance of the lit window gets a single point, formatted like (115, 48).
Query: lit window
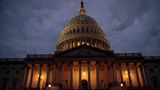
(82, 43)
(78, 43)
(84, 73)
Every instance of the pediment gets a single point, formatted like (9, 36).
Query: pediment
(83, 51)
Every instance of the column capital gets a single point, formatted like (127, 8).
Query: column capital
(119, 64)
(28, 67)
(127, 64)
(135, 64)
(32, 65)
(88, 62)
(48, 65)
(145, 66)
(70, 63)
(55, 64)
(41, 65)
(97, 62)
(142, 63)
(62, 63)
(105, 62)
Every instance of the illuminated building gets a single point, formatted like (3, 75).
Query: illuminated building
(83, 60)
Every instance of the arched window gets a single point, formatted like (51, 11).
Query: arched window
(82, 29)
(17, 71)
(151, 70)
(4, 83)
(8, 72)
(74, 30)
(14, 83)
(78, 30)
(87, 29)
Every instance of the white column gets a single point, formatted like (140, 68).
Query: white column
(146, 75)
(143, 77)
(71, 76)
(55, 72)
(30, 84)
(130, 80)
(48, 74)
(71, 44)
(26, 76)
(107, 74)
(89, 79)
(39, 78)
(22, 80)
(62, 75)
(135, 67)
(97, 75)
(114, 73)
(79, 75)
(121, 76)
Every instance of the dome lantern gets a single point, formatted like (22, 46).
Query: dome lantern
(82, 10)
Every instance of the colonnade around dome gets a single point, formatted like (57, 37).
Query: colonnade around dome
(69, 44)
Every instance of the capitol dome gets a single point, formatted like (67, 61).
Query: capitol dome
(82, 30)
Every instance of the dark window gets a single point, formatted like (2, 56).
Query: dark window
(82, 29)
(7, 72)
(87, 29)
(78, 30)
(151, 70)
(73, 30)
(17, 71)
(155, 81)
(4, 83)
(14, 83)
(67, 32)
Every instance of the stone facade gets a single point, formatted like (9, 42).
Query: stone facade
(100, 69)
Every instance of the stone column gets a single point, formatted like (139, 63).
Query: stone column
(97, 75)
(89, 79)
(62, 76)
(142, 74)
(68, 47)
(107, 74)
(138, 80)
(114, 72)
(55, 72)
(71, 44)
(129, 76)
(71, 76)
(121, 76)
(146, 74)
(30, 84)
(79, 75)
(39, 78)
(26, 77)
(48, 74)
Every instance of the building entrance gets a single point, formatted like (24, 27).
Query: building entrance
(84, 84)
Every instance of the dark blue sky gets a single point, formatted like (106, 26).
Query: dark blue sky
(33, 26)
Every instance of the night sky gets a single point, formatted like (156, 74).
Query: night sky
(33, 26)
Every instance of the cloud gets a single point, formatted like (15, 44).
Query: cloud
(33, 26)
